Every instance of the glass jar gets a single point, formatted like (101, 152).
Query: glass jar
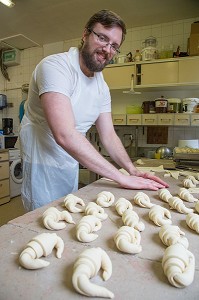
(161, 105)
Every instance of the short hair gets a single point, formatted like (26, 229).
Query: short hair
(108, 19)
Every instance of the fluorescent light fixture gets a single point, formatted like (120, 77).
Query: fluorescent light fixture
(8, 3)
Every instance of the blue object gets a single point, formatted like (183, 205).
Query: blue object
(21, 110)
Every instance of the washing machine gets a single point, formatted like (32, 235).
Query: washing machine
(15, 172)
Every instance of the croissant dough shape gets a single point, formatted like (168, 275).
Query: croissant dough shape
(127, 239)
(164, 194)
(105, 199)
(121, 205)
(142, 200)
(52, 216)
(87, 265)
(41, 245)
(170, 235)
(85, 228)
(184, 194)
(188, 183)
(94, 209)
(192, 221)
(70, 202)
(131, 218)
(160, 215)
(179, 265)
(193, 179)
(177, 204)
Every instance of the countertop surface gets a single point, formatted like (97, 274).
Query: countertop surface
(134, 276)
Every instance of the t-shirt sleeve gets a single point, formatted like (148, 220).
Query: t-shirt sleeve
(53, 74)
(106, 104)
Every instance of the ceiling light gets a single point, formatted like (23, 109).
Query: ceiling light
(8, 3)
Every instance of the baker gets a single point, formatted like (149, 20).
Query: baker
(67, 95)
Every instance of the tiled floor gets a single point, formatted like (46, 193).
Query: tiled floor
(11, 210)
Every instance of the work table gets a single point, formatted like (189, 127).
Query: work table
(137, 276)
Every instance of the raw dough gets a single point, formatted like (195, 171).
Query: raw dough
(70, 202)
(121, 205)
(193, 179)
(188, 183)
(94, 209)
(142, 200)
(127, 239)
(85, 228)
(179, 265)
(160, 215)
(105, 199)
(131, 218)
(197, 206)
(177, 204)
(164, 195)
(170, 235)
(87, 265)
(192, 221)
(186, 195)
(52, 216)
(41, 245)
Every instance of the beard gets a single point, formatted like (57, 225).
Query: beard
(90, 61)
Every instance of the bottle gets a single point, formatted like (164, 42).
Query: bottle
(137, 56)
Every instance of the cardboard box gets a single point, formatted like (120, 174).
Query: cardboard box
(195, 28)
(194, 44)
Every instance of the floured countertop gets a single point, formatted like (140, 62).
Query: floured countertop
(137, 276)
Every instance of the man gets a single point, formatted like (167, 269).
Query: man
(67, 94)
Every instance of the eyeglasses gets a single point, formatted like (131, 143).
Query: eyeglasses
(104, 40)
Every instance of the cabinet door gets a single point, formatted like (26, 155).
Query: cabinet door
(165, 119)
(134, 119)
(119, 119)
(149, 119)
(118, 77)
(4, 169)
(189, 70)
(194, 119)
(159, 73)
(182, 119)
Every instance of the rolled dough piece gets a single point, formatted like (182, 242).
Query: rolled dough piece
(105, 199)
(131, 218)
(85, 228)
(177, 204)
(164, 195)
(184, 194)
(192, 221)
(87, 265)
(179, 265)
(40, 245)
(52, 216)
(142, 200)
(122, 205)
(71, 201)
(170, 235)
(127, 239)
(94, 209)
(160, 215)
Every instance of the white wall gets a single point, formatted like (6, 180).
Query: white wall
(175, 33)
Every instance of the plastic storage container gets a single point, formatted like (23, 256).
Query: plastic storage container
(174, 105)
(161, 105)
(133, 109)
(189, 104)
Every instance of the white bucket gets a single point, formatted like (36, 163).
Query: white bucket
(189, 104)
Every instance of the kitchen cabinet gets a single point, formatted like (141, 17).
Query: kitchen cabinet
(157, 73)
(194, 118)
(165, 119)
(134, 119)
(119, 119)
(182, 120)
(4, 178)
(119, 76)
(188, 71)
(149, 119)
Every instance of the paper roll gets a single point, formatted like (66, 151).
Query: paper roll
(188, 143)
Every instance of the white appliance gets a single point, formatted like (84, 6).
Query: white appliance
(15, 172)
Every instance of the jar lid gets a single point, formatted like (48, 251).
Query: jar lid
(174, 100)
